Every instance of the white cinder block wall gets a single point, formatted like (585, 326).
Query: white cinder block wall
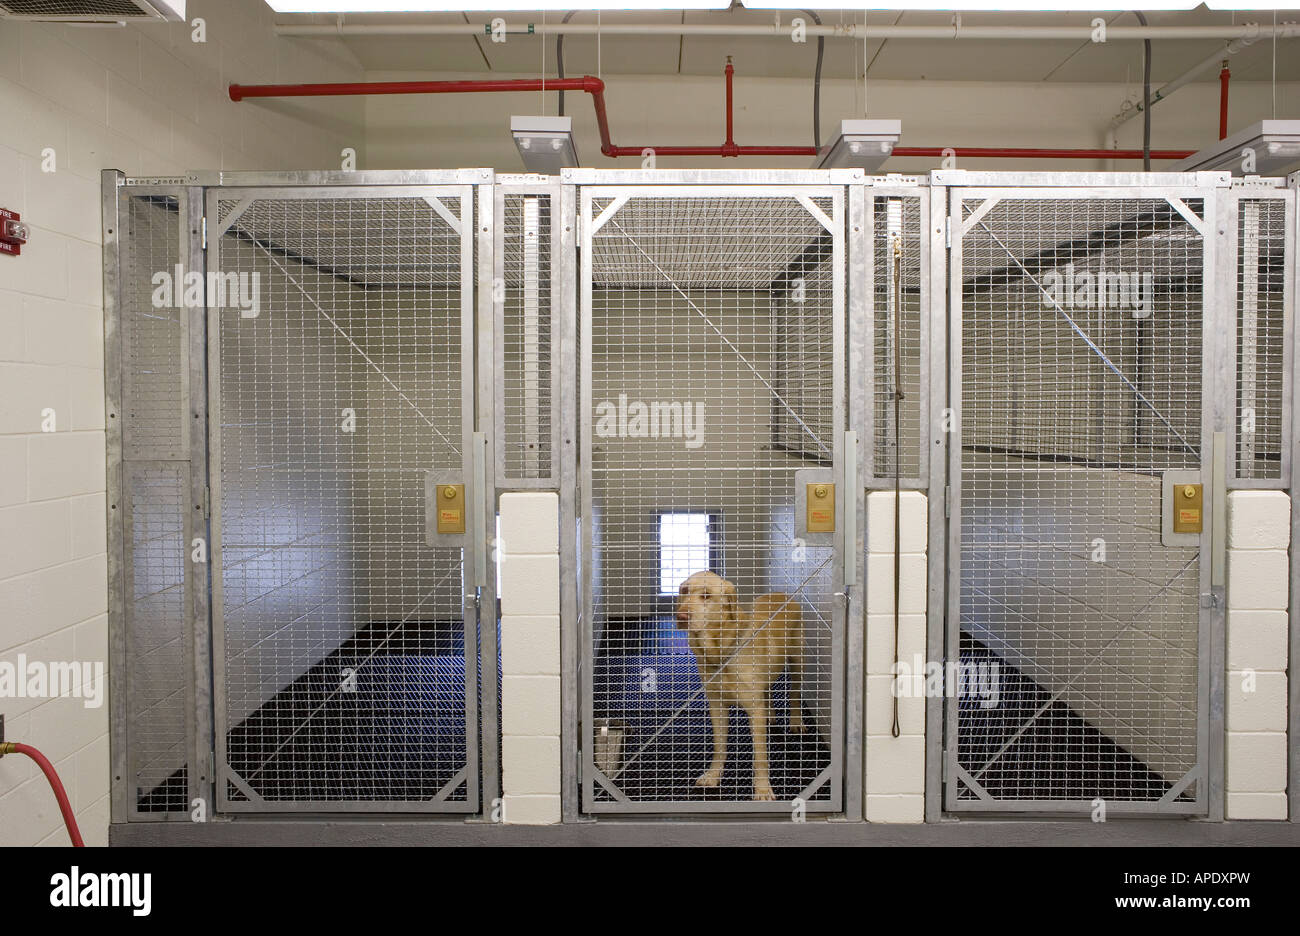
(895, 767)
(529, 549)
(1259, 532)
(148, 100)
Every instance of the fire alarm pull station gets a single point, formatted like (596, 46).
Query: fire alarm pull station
(13, 233)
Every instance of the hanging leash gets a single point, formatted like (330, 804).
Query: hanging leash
(898, 448)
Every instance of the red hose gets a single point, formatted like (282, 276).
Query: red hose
(52, 775)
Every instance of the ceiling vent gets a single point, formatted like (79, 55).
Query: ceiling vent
(93, 11)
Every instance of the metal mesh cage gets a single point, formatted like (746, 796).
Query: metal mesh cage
(155, 365)
(897, 314)
(159, 686)
(1261, 332)
(527, 378)
(346, 669)
(710, 381)
(154, 502)
(1081, 386)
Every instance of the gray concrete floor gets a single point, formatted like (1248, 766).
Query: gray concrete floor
(1117, 832)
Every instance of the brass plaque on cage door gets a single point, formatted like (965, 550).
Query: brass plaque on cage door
(1187, 508)
(451, 508)
(820, 504)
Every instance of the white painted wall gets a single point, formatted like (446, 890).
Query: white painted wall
(449, 130)
(147, 100)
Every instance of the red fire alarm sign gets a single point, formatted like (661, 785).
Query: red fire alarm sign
(13, 233)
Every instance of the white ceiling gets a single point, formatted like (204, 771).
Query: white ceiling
(943, 60)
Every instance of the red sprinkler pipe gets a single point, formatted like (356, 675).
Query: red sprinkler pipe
(729, 148)
(591, 85)
(1224, 76)
(52, 775)
(596, 88)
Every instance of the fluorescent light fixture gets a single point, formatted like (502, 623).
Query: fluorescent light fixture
(1276, 146)
(861, 144)
(545, 143)
(479, 6)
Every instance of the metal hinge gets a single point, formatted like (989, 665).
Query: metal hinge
(947, 231)
(207, 503)
(204, 225)
(947, 500)
(946, 765)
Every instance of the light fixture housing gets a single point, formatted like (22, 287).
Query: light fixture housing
(861, 144)
(93, 11)
(545, 144)
(1276, 144)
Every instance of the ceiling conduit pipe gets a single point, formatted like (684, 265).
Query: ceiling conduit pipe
(1128, 111)
(843, 31)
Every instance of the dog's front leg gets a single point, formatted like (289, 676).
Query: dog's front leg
(758, 726)
(719, 715)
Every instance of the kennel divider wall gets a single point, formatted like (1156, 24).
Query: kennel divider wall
(155, 410)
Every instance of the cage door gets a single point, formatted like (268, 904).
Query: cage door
(345, 485)
(713, 416)
(1076, 623)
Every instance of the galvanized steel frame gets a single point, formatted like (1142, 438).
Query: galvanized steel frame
(546, 188)
(1230, 209)
(116, 192)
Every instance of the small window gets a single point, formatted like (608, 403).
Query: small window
(687, 544)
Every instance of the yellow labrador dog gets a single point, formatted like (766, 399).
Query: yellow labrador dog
(740, 654)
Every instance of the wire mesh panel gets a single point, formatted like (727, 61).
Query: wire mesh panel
(713, 646)
(148, 363)
(1265, 262)
(527, 370)
(159, 701)
(898, 267)
(1075, 627)
(346, 667)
